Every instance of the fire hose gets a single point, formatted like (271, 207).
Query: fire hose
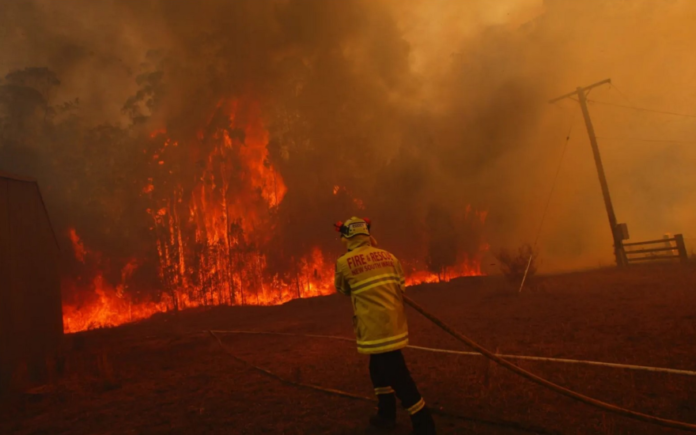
(545, 383)
(608, 407)
(346, 394)
(460, 352)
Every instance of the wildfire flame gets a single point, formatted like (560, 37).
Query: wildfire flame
(78, 246)
(465, 268)
(210, 236)
(469, 265)
(210, 242)
(105, 307)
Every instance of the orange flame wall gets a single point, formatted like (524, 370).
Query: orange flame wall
(211, 234)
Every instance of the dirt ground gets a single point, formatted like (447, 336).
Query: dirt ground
(166, 375)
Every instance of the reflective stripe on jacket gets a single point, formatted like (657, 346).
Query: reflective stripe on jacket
(375, 281)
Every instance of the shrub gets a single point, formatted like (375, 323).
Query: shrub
(514, 264)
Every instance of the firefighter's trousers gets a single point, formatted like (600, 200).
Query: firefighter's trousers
(391, 376)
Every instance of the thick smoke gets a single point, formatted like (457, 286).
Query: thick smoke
(423, 110)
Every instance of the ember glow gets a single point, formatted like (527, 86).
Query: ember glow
(212, 237)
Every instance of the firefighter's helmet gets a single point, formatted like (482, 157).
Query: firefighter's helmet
(353, 227)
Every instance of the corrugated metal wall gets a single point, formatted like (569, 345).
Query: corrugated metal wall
(31, 323)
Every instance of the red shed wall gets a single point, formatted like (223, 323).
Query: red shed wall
(31, 324)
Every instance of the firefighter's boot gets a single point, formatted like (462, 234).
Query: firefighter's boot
(385, 419)
(423, 423)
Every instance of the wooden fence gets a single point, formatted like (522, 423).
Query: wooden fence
(672, 249)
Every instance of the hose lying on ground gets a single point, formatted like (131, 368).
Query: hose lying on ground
(499, 423)
(499, 359)
(545, 383)
(460, 352)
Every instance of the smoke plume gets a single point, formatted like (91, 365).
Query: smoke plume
(432, 118)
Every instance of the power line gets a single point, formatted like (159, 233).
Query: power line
(634, 107)
(642, 109)
(613, 86)
(555, 179)
(548, 202)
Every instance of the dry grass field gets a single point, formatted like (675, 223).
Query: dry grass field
(165, 375)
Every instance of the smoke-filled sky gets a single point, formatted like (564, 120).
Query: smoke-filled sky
(418, 108)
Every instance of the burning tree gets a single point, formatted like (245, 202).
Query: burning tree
(213, 223)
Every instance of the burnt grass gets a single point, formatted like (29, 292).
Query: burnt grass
(166, 375)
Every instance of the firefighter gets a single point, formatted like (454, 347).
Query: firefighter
(374, 280)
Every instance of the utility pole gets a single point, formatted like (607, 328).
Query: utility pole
(617, 234)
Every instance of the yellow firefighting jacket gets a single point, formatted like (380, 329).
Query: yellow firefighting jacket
(374, 280)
